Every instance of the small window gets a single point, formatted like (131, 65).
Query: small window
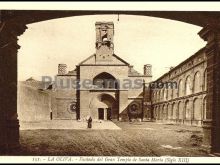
(72, 107)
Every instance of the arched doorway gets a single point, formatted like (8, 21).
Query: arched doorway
(104, 107)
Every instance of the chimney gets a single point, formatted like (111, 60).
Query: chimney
(148, 70)
(62, 69)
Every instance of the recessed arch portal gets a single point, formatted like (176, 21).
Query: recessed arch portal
(104, 106)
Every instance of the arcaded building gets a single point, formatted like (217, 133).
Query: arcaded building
(103, 86)
(184, 101)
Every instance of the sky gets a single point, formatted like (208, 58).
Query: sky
(139, 40)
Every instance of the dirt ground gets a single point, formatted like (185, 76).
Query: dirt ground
(134, 139)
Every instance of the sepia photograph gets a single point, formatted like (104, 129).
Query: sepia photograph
(99, 83)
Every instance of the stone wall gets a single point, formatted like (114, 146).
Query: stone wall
(63, 96)
(33, 104)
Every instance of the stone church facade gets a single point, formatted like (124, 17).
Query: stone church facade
(106, 88)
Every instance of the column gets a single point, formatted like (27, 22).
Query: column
(9, 125)
(105, 113)
(211, 126)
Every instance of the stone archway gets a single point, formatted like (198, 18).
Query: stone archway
(105, 80)
(13, 24)
(104, 107)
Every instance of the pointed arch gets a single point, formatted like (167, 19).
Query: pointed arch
(105, 80)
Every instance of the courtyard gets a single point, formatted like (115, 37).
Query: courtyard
(125, 139)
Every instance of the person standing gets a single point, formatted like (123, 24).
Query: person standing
(90, 122)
